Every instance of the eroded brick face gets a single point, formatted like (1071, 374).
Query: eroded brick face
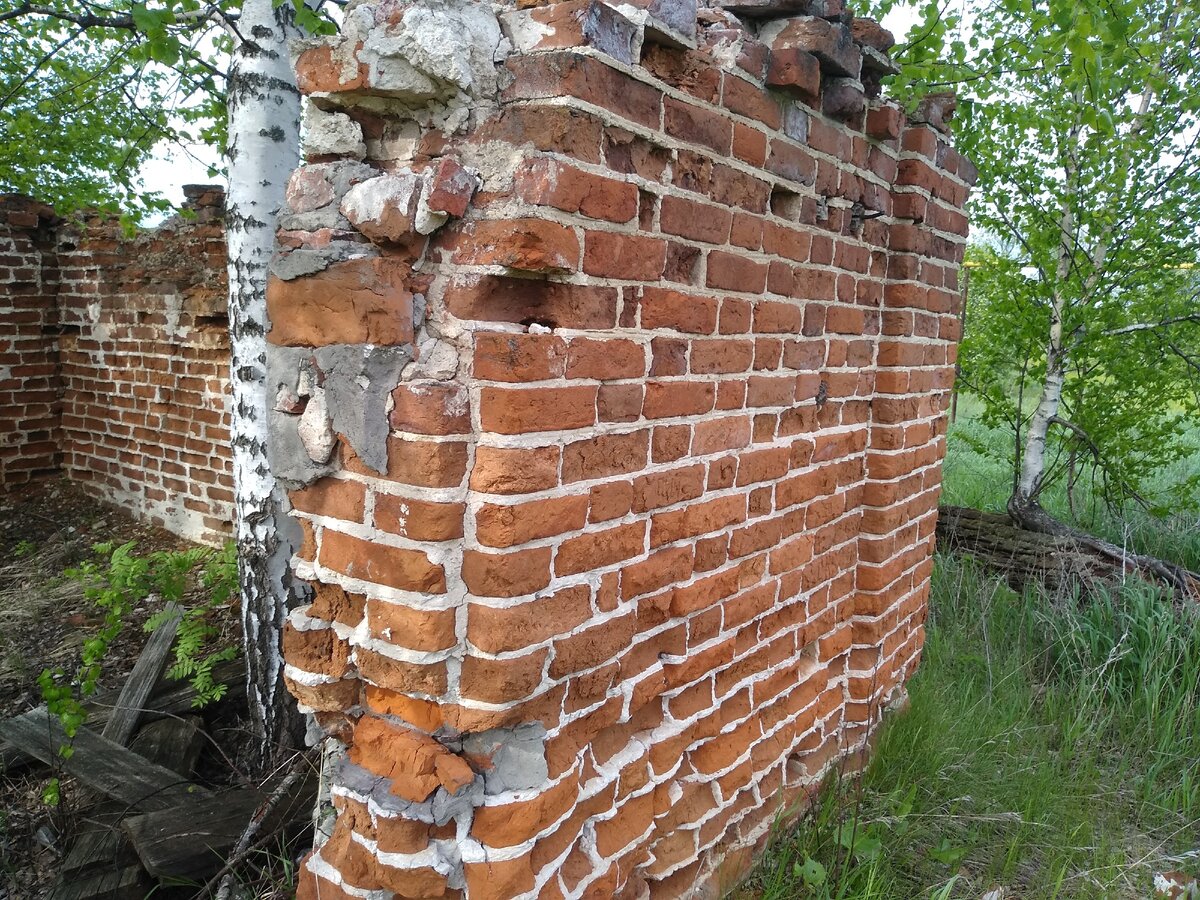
(114, 361)
(639, 544)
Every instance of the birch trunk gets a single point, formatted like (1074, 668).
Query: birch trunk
(1024, 501)
(264, 137)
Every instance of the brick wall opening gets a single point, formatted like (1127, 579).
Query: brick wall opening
(611, 348)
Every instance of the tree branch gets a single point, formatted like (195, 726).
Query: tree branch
(1149, 326)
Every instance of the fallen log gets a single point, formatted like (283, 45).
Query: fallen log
(1065, 562)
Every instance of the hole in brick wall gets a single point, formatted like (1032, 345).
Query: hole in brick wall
(218, 322)
(67, 245)
(647, 206)
(786, 204)
(808, 662)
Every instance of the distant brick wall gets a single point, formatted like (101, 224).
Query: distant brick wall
(643, 546)
(30, 441)
(132, 388)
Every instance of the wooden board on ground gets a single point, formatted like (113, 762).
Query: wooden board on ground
(101, 851)
(128, 883)
(171, 698)
(123, 721)
(193, 841)
(101, 764)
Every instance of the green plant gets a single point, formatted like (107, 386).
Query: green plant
(196, 631)
(115, 581)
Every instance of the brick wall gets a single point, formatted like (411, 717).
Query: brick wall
(132, 351)
(29, 387)
(611, 385)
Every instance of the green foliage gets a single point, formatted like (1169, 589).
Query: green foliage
(1081, 117)
(117, 580)
(1050, 749)
(196, 632)
(88, 90)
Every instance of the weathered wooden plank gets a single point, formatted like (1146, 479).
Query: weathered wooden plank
(193, 841)
(123, 720)
(173, 743)
(101, 764)
(129, 883)
(101, 846)
(168, 698)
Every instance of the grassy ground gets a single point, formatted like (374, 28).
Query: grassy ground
(1051, 750)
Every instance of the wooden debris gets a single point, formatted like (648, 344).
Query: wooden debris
(175, 698)
(99, 763)
(123, 720)
(128, 883)
(1067, 564)
(195, 839)
(173, 743)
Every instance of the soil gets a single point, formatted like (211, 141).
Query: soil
(46, 530)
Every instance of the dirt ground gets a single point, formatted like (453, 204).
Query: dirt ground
(44, 620)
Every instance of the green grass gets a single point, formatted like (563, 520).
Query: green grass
(1052, 746)
(1054, 752)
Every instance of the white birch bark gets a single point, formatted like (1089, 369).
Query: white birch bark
(264, 137)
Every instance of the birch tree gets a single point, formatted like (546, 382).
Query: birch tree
(136, 62)
(1084, 328)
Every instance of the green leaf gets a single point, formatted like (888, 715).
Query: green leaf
(812, 873)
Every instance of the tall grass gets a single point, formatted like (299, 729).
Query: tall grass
(1051, 749)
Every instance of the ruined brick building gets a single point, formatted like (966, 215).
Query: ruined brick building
(612, 345)
(611, 348)
(114, 354)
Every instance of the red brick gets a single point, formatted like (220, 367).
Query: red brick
(697, 126)
(493, 298)
(662, 308)
(509, 574)
(531, 245)
(519, 523)
(598, 549)
(605, 360)
(549, 182)
(521, 411)
(697, 519)
(569, 74)
(630, 257)
(514, 470)
(592, 646)
(694, 221)
(398, 567)
(519, 357)
(419, 520)
(359, 301)
(734, 272)
(337, 499)
(677, 398)
(604, 455)
(501, 680)
(431, 407)
(500, 630)
(666, 488)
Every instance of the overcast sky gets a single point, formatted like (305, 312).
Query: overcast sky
(172, 166)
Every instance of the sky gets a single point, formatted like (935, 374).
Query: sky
(172, 166)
